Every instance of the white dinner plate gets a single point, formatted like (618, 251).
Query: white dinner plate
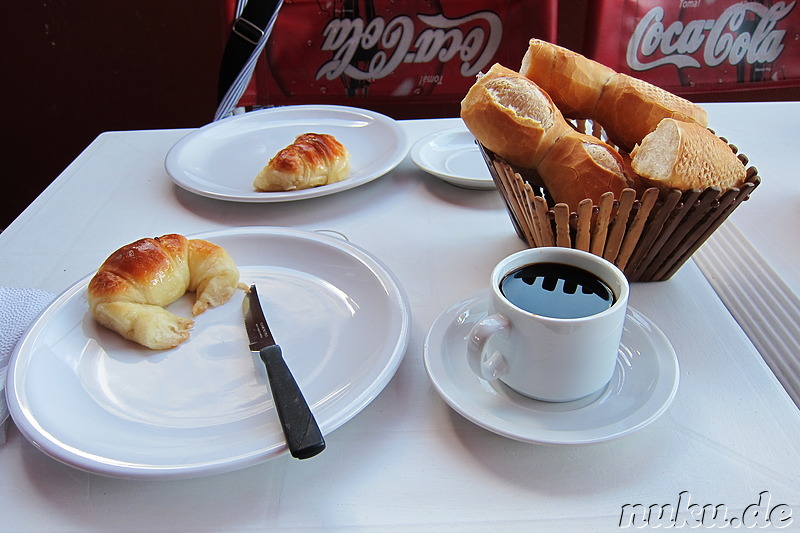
(644, 383)
(221, 160)
(453, 156)
(89, 398)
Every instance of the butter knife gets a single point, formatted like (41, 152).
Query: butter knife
(302, 433)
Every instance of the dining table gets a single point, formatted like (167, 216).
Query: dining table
(722, 448)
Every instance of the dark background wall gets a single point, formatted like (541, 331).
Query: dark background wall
(74, 69)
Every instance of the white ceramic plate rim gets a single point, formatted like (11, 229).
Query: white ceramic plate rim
(436, 167)
(344, 405)
(475, 400)
(376, 142)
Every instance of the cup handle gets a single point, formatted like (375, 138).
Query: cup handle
(493, 366)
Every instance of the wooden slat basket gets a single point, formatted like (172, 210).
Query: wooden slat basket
(649, 238)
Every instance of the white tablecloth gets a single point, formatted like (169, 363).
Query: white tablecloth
(408, 462)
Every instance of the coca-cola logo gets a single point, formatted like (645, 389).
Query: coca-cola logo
(722, 39)
(393, 42)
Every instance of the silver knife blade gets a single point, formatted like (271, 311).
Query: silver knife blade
(255, 322)
(303, 436)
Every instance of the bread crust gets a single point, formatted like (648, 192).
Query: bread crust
(573, 81)
(511, 116)
(581, 166)
(630, 108)
(575, 166)
(685, 155)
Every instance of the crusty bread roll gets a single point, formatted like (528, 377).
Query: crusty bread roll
(580, 166)
(635, 181)
(573, 81)
(512, 117)
(313, 159)
(684, 155)
(630, 108)
(130, 289)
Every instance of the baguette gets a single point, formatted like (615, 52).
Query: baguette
(573, 81)
(511, 116)
(683, 155)
(580, 166)
(628, 108)
(662, 139)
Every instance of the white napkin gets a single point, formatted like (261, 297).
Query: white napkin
(18, 308)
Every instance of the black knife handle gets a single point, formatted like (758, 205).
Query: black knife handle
(299, 426)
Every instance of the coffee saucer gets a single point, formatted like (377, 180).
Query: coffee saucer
(453, 156)
(644, 383)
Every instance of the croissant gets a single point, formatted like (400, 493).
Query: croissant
(313, 159)
(130, 289)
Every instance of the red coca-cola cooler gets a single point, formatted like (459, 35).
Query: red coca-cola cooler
(404, 58)
(700, 47)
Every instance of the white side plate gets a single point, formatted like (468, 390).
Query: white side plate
(453, 156)
(221, 160)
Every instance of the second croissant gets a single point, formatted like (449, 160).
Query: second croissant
(313, 159)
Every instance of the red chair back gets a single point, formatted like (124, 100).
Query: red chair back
(696, 47)
(404, 58)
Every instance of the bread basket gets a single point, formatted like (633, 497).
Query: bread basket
(649, 238)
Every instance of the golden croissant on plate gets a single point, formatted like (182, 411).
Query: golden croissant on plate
(313, 159)
(131, 288)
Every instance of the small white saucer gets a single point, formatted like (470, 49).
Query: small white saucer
(453, 156)
(644, 384)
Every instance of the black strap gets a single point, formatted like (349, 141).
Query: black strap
(246, 32)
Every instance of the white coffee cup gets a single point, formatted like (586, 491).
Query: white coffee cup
(546, 358)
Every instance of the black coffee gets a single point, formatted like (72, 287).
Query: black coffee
(557, 291)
